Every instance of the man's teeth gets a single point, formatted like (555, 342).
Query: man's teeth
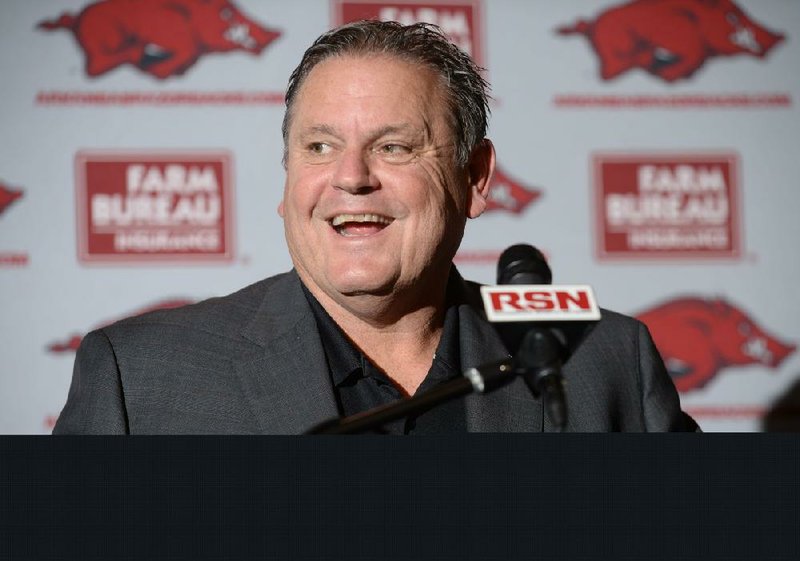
(340, 219)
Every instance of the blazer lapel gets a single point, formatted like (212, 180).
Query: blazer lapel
(287, 382)
(511, 408)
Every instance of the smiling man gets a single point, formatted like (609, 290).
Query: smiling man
(375, 203)
(386, 159)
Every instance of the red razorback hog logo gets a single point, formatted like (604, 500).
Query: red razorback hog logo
(72, 342)
(161, 37)
(8, 196)
(509, 195)
(697, 338)
(671, 39)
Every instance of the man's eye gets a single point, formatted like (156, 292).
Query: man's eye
(319, 148)
(395, 152)
(395, 149)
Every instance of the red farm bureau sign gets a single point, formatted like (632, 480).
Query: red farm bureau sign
(155, 207)
(667, 205)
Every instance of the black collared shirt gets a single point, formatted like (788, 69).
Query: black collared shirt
(359, 385)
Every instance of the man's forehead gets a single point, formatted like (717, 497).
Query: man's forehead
(409, 89)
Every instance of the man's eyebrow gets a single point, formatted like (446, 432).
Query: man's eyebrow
(318, 129)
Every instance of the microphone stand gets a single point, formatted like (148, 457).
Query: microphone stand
(540, 357)
(482, 379)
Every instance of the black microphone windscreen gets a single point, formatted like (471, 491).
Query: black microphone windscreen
(523, 264)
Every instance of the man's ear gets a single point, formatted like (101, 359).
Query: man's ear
(281, 211)
(480, 170)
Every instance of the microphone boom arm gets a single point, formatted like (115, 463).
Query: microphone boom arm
(481, 379)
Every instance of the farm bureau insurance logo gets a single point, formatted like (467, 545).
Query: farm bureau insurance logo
(700, 338)
(461, 21)
(671, 39)
(154, 206)
(162, 38)
(667, 206)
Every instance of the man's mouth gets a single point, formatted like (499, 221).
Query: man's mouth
(359, 224)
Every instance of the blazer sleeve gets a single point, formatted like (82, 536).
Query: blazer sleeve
(95, 403)
(661, 405)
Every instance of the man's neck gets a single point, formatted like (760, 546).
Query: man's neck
(399, 337)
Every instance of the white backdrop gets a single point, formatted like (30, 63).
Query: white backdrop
(554, 117)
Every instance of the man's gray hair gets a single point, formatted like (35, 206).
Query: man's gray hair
(420, 43)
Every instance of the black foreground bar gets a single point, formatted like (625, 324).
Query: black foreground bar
(551, 496)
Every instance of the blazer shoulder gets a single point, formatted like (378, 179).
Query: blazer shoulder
(619, 323)
(220, 314)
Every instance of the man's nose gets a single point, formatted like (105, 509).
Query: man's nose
(353, 173)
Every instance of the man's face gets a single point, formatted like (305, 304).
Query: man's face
(373, 201)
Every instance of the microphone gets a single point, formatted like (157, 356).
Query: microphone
(523, 264)
(522, 300)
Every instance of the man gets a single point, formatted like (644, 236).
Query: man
(386, 159)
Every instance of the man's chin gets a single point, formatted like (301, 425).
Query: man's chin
(361, 289)
(353, 286)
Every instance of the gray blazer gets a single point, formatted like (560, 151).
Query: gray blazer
(253, 362)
